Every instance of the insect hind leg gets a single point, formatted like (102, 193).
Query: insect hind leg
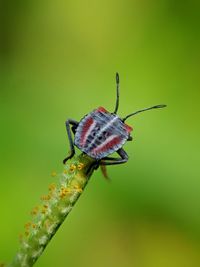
(113, 161)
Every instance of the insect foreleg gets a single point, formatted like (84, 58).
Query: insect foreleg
(71, 143)
(112, 161)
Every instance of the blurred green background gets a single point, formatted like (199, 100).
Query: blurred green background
(58, 60)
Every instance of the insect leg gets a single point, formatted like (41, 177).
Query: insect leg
(112, 161)
(93, 166)
(74, 126)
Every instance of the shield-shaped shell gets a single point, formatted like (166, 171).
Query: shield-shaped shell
(101, 133)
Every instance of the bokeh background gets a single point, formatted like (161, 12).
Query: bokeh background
(58, 60)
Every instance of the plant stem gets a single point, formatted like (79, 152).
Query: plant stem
(55, 207)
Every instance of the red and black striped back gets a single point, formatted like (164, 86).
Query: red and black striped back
(101, 133)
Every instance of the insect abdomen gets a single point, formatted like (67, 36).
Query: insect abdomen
(100, 133)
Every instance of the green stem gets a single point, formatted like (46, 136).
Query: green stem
(54, 209)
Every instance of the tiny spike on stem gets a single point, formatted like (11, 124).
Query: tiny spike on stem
(53, 210)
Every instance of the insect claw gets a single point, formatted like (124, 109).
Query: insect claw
(66, 159)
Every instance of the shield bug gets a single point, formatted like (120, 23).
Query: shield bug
(101, 133)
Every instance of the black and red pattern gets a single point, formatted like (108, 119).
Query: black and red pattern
(101, 133)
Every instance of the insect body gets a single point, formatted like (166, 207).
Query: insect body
(101, 133)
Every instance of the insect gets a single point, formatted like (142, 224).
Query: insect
(101, 133)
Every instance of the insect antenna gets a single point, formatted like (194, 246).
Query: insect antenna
(145, 109)
(117, 88)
